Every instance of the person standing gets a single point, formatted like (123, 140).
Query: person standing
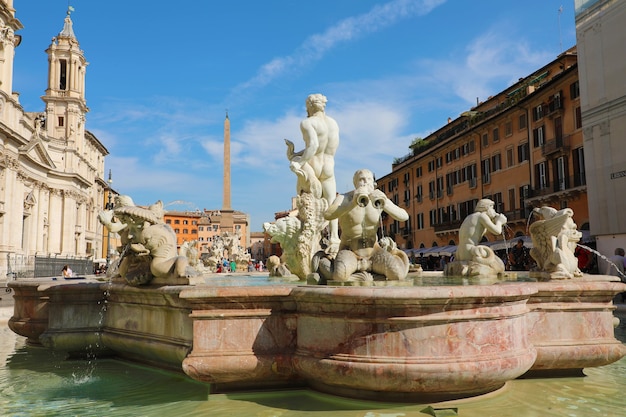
(585, 259)
(518, 256)
(615, 266)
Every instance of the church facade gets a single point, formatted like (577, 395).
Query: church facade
(51, 167)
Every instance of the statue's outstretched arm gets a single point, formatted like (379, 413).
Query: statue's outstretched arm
(388, 206)
(340, 206)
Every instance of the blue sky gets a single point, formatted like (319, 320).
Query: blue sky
(162, 75)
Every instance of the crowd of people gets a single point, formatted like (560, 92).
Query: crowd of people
(231, 266)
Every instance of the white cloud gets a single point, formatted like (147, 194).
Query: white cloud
(491, 62)
(315, 46)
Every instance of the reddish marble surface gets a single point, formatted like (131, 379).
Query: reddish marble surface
(411, 343)
(30, 310)
(243, 336)
(571, 324)
(387, 343)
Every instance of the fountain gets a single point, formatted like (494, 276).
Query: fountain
(369, 333)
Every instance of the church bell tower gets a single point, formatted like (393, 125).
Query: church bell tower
(65, 96)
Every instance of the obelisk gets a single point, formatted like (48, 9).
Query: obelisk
(227, 221)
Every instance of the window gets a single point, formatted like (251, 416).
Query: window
(470, 175)
(194, 222)
(523, 152)
(509, 158)
(512, 199)
(498, 204)
(431, 190)
(579, 118)
(579, 167)
(63, 74)
(561, 173)
(201, 228)
(496, 135)
(61, 121)
(485, 140)
(485, 167)
(449, 183)
(538, 113)
(452, 213)
(177, 231)
(441, 215)
(168, 221)
(524, 193)
(496, 163)
(431, 166)
(215, 227)
(420, 221)
(185, 231)
(538, 136)
(558, 130)
(185, 222)
(194, 231)
(574, 90)
(541, 176)
(433, 217)
(418, 193)
(522, 121)
(555, 103)
(418, 172)
(439, 187)
(176, 221)
(508, 128)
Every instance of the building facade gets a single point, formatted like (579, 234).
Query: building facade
(600, 36)
(51, 167)
(204, 226)
(522, 148)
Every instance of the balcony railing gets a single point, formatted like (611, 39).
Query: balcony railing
(558, 185)
(556, 145)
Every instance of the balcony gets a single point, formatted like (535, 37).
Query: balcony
(447, 226)
(558, 145)
(559, 188)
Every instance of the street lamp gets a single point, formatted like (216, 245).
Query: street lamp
(109, 206)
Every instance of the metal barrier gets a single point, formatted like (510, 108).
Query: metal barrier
(50, 267)
(19, 266)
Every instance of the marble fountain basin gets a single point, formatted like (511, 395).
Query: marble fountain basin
(388, 343)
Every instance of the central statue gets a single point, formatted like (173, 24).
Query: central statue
(320, 256)
(362, 257)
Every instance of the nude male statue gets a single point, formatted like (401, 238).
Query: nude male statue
(315, 164)
(474, 227)
(359, 214)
